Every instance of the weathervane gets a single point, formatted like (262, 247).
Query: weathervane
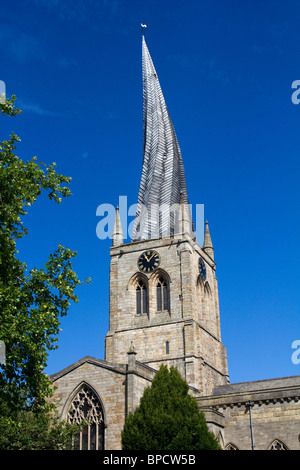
(143, 28)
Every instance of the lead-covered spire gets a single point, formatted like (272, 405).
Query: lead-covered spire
(163, 176)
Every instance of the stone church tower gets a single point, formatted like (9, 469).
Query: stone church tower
(164, 309)
(163, 286)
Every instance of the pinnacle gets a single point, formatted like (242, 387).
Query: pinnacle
(207, 244)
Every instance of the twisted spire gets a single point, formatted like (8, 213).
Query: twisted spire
(163, 176)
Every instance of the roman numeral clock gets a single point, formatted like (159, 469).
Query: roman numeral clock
(148, 261)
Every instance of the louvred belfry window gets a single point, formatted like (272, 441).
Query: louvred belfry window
(141, 298)
(86, 407)
(162, 294)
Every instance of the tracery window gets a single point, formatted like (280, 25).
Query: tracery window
(141, 297)
(278, 445)
(231, 446)
(86, 406)
(162, 294)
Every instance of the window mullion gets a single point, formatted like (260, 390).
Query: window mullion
(138, 301)
(165, 297)
(158, 297)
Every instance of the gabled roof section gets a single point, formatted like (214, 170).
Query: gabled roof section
(163, 176)
(120, 368)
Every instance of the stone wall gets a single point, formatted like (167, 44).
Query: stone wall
(119, 388)
(275, 410)
(191, 326)
(275, 403)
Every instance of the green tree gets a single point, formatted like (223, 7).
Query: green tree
(22, 429)
(31, 301)
(168, 418)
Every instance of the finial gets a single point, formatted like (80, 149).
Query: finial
(131, 349)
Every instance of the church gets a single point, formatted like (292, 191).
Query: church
(164, 309)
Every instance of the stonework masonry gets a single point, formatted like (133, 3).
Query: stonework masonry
(192, 324)
(119, 388)
(275, 409)
(135, 347)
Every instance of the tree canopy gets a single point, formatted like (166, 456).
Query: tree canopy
(31, 301)
(167, 418)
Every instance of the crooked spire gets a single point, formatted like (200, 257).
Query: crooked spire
(163, 181)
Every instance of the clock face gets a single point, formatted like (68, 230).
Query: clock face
(148, 261)
(202, 269)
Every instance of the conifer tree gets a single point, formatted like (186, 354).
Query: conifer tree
(167, 418)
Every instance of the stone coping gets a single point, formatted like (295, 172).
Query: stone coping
(120, 368)
(258, 385)
(140, 369)
(269, 391)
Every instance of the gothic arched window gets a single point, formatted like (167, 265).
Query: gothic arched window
(207, 289)
(141, 294)
(162, 294)
(278, 445)
(86, 406)
(231, 446)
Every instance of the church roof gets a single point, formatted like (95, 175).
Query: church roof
(163, 182)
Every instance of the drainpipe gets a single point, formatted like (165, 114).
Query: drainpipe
(249, 405)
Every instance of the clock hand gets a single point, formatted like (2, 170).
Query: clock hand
(151, 257)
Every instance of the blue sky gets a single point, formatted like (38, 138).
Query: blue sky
(226, 68)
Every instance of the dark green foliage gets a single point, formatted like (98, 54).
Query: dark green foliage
(168, 418)
(26, 430)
